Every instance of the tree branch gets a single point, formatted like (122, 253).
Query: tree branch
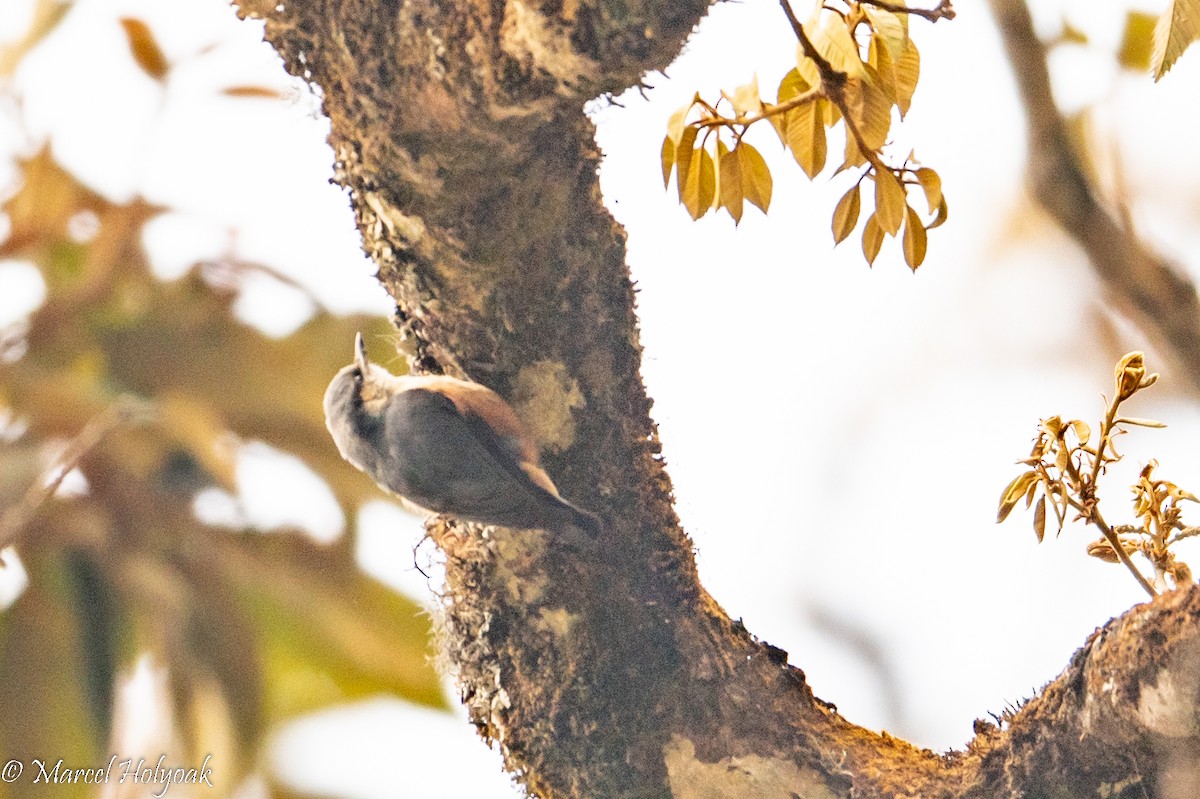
(766, 113)
(1118, 719)
(1153, 292)
(944, 10)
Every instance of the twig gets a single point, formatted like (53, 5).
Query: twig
(719, 119)
(1115, 543)
(125, 410)
(1185, 532)
(1090, 509)
(944, 9)
(810, 50)
(1110, 415)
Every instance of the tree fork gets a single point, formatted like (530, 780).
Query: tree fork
(458, 130)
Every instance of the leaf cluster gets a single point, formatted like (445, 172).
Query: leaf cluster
(856, 66)
(1062, 477)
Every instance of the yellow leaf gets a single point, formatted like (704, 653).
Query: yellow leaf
(1062, 458)
(252, 92)
(756, 177)
(731, 184)
(683, 160)
(1176, 29)
(668, 159)
(1030, 493)
(745, 98)
(871, 109)
(1013, 492)
(853, 156)
(914, 239)
(779, 122)
(792, 85)
(1137, 41)
(1139, 422)
(715, 202)
(715, 188)
(1039, 520)
(890, 203)
(830, 113)
(1104, 551)
(806, 68)
(872, 239)
(881, 61)
(700, 185)
(675, 124)
(942, 212)
(908, 70)
(1054, 426)
(931, 183)
(891, 28)
(146, 52)
(806, 138)
(845, 214)
(833, 41)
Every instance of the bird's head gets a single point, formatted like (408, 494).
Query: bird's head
(359, 390)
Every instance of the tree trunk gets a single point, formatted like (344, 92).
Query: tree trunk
(458, 130)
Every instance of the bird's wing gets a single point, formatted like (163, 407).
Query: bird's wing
(472, 399)
(510, 451)
(459, 450)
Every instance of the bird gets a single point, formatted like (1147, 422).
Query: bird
(448, 446)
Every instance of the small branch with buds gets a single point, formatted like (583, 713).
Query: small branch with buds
(1067, 475)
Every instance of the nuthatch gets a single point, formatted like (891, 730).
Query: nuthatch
(447, 445)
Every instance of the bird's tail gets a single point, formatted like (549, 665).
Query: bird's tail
(577, 526)
(586, 521)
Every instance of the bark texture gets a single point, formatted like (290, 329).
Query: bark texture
(609, 672)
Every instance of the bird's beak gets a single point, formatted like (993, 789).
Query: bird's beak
(360, 353)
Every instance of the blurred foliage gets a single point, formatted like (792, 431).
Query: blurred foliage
(1149, 43)
(1137, 40)
(149, 389)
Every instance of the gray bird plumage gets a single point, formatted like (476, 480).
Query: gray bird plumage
(447, 445)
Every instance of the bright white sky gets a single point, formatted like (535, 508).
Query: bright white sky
(838, 436)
